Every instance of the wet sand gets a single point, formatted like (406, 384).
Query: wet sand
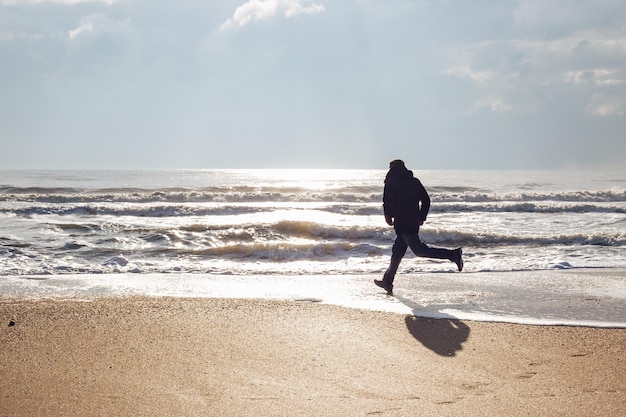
(190, 357)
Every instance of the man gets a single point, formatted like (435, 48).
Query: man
(406, 204)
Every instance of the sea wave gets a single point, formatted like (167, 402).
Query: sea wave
(185, 195)
(490, 239)
(249, 194)
(602, 196)
(217, 234)
(93, 237)
(350, 209)
(284, 251)
(259, 221)
(139, 210)
(545, 206)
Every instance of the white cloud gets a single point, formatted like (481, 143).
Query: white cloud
(466, 72)
(84, 28)
(255, 10)
(513, 74)
(601, 77)
(609, 77)
(606, 105)
(97, 23)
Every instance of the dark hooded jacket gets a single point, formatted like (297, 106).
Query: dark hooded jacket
(405, 200)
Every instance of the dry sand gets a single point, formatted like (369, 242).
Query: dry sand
(196, 357)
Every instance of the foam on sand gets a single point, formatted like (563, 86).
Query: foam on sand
(595, 298)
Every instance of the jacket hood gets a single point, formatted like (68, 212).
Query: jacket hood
(399, 173)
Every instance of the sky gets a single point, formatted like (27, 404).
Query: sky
(442, 84)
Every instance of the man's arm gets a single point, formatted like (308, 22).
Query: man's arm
(424, 199)
(388, 205)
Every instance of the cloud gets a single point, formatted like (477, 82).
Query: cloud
(549, 55)
(97, 24)
(515, 75)
(255, 10)
(599, 76)
(465, 72)
(606, 105)
(86, 27)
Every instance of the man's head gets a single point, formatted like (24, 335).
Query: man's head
(396, 163)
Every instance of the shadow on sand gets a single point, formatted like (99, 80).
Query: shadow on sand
(445, 337)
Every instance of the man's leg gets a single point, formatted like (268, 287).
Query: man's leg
(397, 253)
(421, 249)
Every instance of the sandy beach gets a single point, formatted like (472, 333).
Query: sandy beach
(190, 357)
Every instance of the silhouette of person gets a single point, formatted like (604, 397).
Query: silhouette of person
(405, 205)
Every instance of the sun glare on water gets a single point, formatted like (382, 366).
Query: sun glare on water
(316, 179)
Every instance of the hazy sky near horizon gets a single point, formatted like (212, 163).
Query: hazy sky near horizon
(465, 84)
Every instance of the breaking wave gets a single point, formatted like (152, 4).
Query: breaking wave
(92, 222)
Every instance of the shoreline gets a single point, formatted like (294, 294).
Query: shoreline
(578, 297)
(210, 356)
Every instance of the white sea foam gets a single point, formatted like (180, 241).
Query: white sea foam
(574, 298)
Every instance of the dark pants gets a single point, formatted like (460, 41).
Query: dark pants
(419, 248)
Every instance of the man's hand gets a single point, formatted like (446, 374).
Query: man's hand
(389, 220)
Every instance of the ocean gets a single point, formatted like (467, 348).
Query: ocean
(112, 225)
